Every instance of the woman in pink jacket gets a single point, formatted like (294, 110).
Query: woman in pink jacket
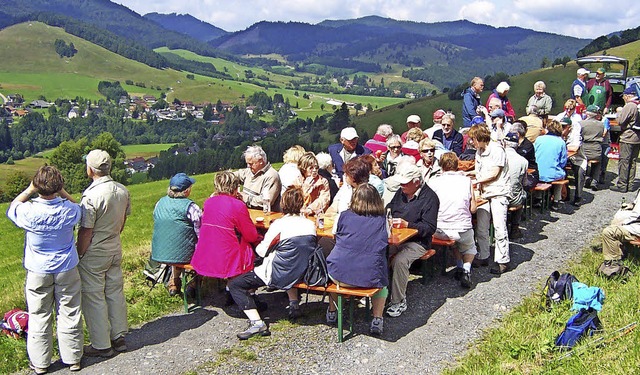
(224, 248)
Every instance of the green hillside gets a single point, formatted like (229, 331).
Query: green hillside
(32, 68)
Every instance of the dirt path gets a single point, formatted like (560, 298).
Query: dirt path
(442, 321)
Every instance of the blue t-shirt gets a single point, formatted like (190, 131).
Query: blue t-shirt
(49, 245)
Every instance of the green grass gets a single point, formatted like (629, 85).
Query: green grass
(28, 166)
(145, 151)
(523, 343)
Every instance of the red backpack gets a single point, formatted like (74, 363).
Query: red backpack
(15, 323)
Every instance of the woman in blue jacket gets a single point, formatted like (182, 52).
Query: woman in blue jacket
(359, 258)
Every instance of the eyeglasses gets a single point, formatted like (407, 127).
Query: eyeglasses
(395, 147)
(428, 150)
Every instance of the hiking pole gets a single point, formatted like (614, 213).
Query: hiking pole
(609, 337)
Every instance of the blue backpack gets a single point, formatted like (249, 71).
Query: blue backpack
(583, 323)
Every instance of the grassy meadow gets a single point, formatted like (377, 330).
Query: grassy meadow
(145, 151)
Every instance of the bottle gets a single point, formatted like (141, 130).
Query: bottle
(266, 205)
(389, 218)
(320, 219)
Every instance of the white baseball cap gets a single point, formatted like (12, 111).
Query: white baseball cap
(414, 118)
(349, 133)
(583, 71)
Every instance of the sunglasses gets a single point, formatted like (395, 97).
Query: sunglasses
(395, 147)
(428, 150)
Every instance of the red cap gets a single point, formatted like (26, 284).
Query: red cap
(437, 115)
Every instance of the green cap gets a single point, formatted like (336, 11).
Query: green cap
(565, 121)
(601, 71)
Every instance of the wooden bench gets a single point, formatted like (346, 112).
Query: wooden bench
(189, 274)
(445, 245)
(341, 291)
(544, 188)
(564, 184)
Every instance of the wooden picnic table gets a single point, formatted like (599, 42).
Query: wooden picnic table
(398, 235)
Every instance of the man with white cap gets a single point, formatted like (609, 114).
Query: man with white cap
(347, 149)
(413, 121)
(416, 206)
(579, 89)
(105, 205)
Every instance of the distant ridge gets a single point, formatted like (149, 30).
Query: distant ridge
(187, 24)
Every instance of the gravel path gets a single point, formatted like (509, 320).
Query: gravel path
(425, 339)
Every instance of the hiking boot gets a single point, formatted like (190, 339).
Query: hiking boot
(174, 291)
(618, 189)
(477, 262)
(457, 274)
(465, 280)
(499, 268)
(377, 326)
(90, 351)
(253, 330)
(38, 370)
(397, 309)
(119, 344)
(577, 202)
(594, 185)
(175, 285)
(75, 367)
(331, 316)
(294, 310)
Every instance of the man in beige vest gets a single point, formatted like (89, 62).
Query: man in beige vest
(105, 205)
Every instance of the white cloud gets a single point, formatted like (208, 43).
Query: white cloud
(580, 18)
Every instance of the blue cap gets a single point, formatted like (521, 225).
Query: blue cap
(511, 137)
(181, 182)
(629, 91)
(477, 120)
(497, 113)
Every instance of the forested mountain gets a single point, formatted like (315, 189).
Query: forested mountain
(609, 41)
(444, 53)
(187, 24)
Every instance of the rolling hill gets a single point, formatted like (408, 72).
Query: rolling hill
(450, 52)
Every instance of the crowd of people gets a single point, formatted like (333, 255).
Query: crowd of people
(412, 180)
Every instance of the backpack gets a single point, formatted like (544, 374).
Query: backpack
(559, 287)
(583, 323)
(15, 323)
(156, 272)
(316, 273)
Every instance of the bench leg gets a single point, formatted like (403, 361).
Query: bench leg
(340, 336)
(184, 291)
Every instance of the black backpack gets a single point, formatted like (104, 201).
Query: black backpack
(316, 274)
(559, 287)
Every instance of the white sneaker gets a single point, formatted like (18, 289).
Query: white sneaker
(397, 309)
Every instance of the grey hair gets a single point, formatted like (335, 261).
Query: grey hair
(540, 84)
(324, 160)
(394, 139)
(255, 152)
(385, 130)
(99, 172)
(518, 128)
(177, 194)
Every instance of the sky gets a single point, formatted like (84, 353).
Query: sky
(578, 18)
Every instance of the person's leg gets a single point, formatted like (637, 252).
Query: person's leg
(579, 177)
(595, 175)
(114, 296)
(175, 282)
(239, 288)
(499, 207)
(407, 254)
(604, 162)
(635, 149)
(468, 251)
(68, 300)
(514, 230)
(93, 271)
(483, 216)
(612, 238)
(623, 166)
(39, 293)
